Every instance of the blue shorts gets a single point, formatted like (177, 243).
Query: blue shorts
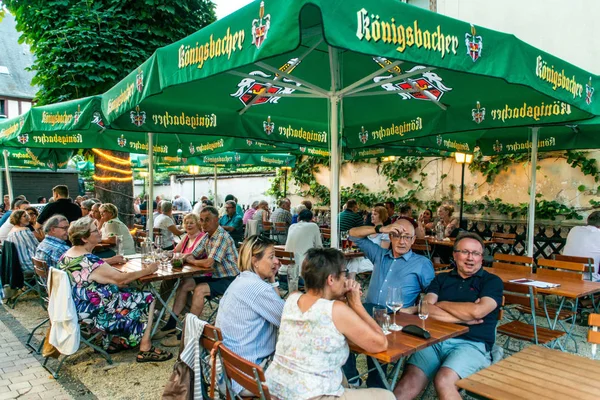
(464, 357)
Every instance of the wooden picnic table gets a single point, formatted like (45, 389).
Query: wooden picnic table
(163, 274)
(402, 345)
(534, 373)
(348, 255)
(448, 242)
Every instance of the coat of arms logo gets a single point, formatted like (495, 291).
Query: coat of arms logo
(249, 142)
(77, 114)
(478, 113)
(439, 139)
(302, 149)
(192, 148)
(138, 118)
(139, 81)
(260, 26)
(497, 146)
(237, 157)
(474, 44)
(23, 138)
(249, 89)
(97, 119)
(268, 126)
(122, 141)
(50, 164)
(429, 82)
(363, 135)
(589, 91)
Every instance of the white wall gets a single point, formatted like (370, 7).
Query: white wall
(568, 29)
(246, 189)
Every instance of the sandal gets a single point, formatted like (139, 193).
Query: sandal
(153, 355)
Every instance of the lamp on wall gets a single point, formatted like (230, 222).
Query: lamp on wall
(194, 169)
(285, 173)
(462, 158)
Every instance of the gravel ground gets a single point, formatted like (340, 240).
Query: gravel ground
(126, 379)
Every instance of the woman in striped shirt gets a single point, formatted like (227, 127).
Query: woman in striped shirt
(24, 240)
(250, 310)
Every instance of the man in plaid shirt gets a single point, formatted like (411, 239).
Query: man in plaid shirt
(282, 214)
(221, 256)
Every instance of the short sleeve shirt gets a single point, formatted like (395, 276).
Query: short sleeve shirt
(236, 222)
(164, 222)
(115, 227)
(450, 286)
(221, 249)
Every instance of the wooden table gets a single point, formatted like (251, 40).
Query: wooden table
(162, 274)
(534, 373)
(448, 243)
(347, 256)
(402, 345)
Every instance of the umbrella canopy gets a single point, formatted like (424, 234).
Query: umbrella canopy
(235, 159)
(311, 71)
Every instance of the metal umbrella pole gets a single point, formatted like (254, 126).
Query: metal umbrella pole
(8, 179)
(531, 211)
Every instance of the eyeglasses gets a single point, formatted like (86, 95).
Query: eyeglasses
(62, 227)
(345, 271)
(262, 239)
(405, 238)
(467, 253)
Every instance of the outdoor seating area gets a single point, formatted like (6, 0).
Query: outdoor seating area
(305, 199)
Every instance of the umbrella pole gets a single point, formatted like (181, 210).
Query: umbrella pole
(216, 186)
(531, 211)
(335, 172)
(8, 180)
(150, 207)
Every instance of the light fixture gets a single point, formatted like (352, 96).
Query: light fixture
(194, 169)
(463, 158)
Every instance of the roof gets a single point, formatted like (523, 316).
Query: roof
(15, 57)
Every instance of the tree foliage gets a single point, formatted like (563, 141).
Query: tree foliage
(84, 47)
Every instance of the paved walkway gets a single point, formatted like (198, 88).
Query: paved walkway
(21, 374)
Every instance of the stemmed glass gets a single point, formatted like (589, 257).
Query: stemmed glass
(423, 310)
(395, 303)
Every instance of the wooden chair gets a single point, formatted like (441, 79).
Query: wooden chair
(524, 297)
(503, 242)
(560, 269)
(420, 246)
(249, 375)
(267, 228)
(513, 259)
(325, 230)
(285, 258)
(41, 276)
(587, 261)
(210, 338)
(593, 336)
(280, 231)
(439, 268)
(524, 269)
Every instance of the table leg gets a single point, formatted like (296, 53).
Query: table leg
(165, 305)
(395, 373)
(552, 324)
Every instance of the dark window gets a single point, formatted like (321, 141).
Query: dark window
(2, 108)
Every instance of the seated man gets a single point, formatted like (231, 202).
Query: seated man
(396, 266)
(55, 244)
(222, 258)
(466, 295)
(584, 241)
(232, 222)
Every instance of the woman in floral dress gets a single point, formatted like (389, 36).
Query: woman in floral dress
(103, 299)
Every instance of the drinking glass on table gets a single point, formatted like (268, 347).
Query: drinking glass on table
(381, 316)
(423, 310)
(395, 303)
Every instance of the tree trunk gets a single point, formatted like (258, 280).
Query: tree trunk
(113, 182)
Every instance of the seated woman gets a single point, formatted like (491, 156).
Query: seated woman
(103, 299)
(250, 310)
(426, 223)
(446, 222)
(191, 225)
(314, 333)
(24, 240)
(361, 264)
(33, 214)
(261, 215)
(113, 227)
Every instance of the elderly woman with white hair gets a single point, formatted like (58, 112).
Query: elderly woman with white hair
(113, 227)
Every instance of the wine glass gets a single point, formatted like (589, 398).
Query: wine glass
(395, 303)
(423, 310)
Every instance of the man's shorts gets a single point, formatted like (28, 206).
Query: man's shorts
(465, 357)
(217, 286)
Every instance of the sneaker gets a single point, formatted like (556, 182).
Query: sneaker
(162, 333)
(171, 341)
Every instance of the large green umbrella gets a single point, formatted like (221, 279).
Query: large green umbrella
(306, 71)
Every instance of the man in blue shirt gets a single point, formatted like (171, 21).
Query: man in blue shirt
(466, 295)
(397, 266)
(54, 244)
(232, 222)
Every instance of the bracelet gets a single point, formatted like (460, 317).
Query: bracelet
(274, 284)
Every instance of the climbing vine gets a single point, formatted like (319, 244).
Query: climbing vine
(490, 167)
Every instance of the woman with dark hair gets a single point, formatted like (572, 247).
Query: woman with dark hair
(250, 310)
(314, 333)
(103, 299)
(24, 239)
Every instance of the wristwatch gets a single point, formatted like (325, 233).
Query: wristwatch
(377, 228)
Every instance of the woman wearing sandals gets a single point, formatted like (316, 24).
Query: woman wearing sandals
(102, 298)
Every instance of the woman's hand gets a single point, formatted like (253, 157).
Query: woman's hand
(151, 268)
(353, 293)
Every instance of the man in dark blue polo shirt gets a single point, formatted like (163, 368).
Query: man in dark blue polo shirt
(466, 295)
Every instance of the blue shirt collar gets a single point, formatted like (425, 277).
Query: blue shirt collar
(55, 239)
(406, 256)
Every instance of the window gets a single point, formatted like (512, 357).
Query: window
(4, 70)
(2, 108)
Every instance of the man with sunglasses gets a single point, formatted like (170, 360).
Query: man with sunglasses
(397, 266)
(466, 295)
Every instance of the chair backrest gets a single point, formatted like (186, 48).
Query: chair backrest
(41, 269)
(512, 267)
(285, 257)
(267, 226)
(588, 261)
(504, 238)
(325, 230)
(524, 295)
(593, 336)
(280, 227)
(210, 335)
(509, 258)
(138, 226)
(421, 245)
(560, 269)
(249, 375)
(327, 236)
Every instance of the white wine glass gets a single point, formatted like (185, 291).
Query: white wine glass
(395, 303)
(423, 310)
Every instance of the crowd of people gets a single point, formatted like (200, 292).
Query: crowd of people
(301, 342)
